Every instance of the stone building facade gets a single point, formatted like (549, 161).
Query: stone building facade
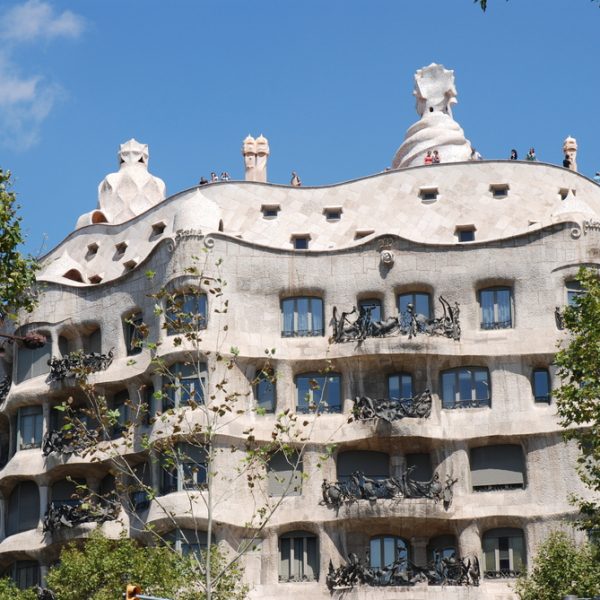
(499, 241)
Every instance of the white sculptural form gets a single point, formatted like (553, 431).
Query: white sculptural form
(255, 153)
(129, 192)
(436, 130)
(570, 150)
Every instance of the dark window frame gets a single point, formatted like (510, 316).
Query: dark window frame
(541, 398)
(498, 308)
(186, 309)
(292, 543)
(473, 401)
(315, 327)
(310, 405)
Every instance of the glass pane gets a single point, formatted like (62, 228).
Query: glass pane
(304, 392)
(284, 559)
(373, 307)
(312, 559)
(482, 388)
(486, 298)
(287, 307)
(422, 305)
(302, 305)
(376, 553)
(403, 301)
(489, 550)
(317, 316)
(541, 385)
(331, 395)
(400, 386)
(389, 551)
(448, 388)
(298, 562)
(265, 394)
(465, 384)
(504, 307)
(518, 549)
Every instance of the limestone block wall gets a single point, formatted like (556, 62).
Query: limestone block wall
(535, 261)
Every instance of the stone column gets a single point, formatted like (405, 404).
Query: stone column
(45, 417)
(419, 550)
(44, 492)
(3, 510)
(12, 436)
(43, 574)
(285, 387)
(156, 405)
(469, 542)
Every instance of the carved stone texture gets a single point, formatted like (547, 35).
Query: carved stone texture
(361, 487)
(346, 329)
(5, 384)
(437, 130)
(418, 406)
(570, 150)
(440, 571)
(66, 515)
(129, 192)
(69, 366)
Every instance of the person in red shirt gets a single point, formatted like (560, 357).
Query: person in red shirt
(428, 158)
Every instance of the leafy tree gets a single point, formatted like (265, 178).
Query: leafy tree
(561, 568)
(17, 272)
(9, 591)
(577, 399)
(100, 569)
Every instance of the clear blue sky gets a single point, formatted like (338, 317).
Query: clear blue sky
(329, 82)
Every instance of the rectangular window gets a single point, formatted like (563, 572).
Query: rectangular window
(186, 312)
(26, 574)
(319, 393)
(300, 242)
(264, 391)
(541, 385)
(400, 386)
(465, 234)
(498, 467)
(284, 474)
(31, 363)
(465, 388)
(30, 427)
(420, 301)
(504, 553)
(499, 190)
(496, 308)
(574, 291)
(298, 558)
(302, 316)
(372, 307)
(186, 383)
(134, 337)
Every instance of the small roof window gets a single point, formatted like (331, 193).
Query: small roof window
(362, 233)
(333, 213)
(270, 211)
(130, 264)
(96, 278)
(301, 241)
(92, 250)
(120, 248)
(158, 229)
(465, 233)
(428, 194)
(499, 190)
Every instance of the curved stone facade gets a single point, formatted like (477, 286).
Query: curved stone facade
(394, 236)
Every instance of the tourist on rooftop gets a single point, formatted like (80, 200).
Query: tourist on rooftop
(213, 177)
(596, 177)
(567, 162)
(225, 176)
(295, 180)
(514, 155)
(531, 154)
(203, 180)
(436, 157)
(428, 158)
(475, 155)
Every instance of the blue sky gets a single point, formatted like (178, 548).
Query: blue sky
(328, 82)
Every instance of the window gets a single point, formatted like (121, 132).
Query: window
(388, 550)
(400, 386)
(428, 194)
(130, 264)
(65, 493)
(540, 382)
(284, 474)
(134, 338)
(30, 425)
(264, 391)
(23, 508)
(574, 291)
(186, 384)
(31, 363)
(375, 465)
(188, 541)
(25, 574)
(96, 278)
(140, 484)
(270, 211)
(187, 311)
(319, 393)
(184, 469)
(333, 213)
(466, 387)
(420, 301)
(302, 316)
(92, 341)
(563, 193)
(496, 308)
(442, 546)
(92, 250)
(419, 465)
(298, 557)
(499, 190)
(362, 233)
(372, 306)
(499, 467)
(300, 242)
(121, 403)
(120, 248)
(465, 234)
(504, 553)
(158, 229)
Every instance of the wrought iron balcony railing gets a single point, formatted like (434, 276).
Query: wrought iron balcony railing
(78, 363)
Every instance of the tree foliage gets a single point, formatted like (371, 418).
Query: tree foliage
(9, 591)
(561, 568)
(100, 569)
(17, 272)
(577, 398)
